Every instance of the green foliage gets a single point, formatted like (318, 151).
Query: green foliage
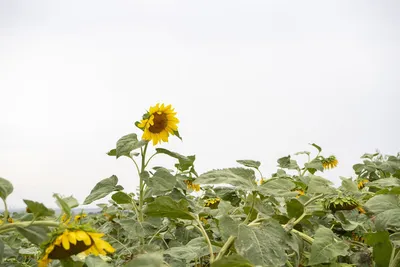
(294, 217)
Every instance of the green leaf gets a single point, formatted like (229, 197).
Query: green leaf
(165, 206)
(92, 261)
(127, 144)
(369, 156)
(250, 163)
(147, 260)
(381, 203)
(350, 219)
(317, 147)
(349, 185)
(382, 247)
(287, 163)
(161, 182)
(185, 162)
(112, 152)
(228, 226)
(239, 177)
(389, 219)
(263, 245)
(325, 249)
(294, 208)
(6, 188)
(102, 189)
(31, 251)
(35, 234)
(319, 185)
(183, 253)
(314, 165)
(278, 187)
(121, 198)
(385, 182)
(66, 204)
(38, 209)
(232, 261)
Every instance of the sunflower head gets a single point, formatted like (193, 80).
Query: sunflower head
(330, 162)
(72, 240)
(158, 123)
(361, 183)
(212, 202)
(192, 186)
(341, 203)
(261, 181)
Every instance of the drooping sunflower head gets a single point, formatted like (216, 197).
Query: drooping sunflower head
(330, 162)
(72, 240)
(341, 203)
(192, 186)
(158, 123)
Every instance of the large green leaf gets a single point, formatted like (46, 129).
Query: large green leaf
(349, 185)
(162, 181)
(279, 187)
(319, 185)
(239, 177)
(102, 189)
(350, 219)
(294, 208)
(195, 248)
(287, 163)
(314, 165)
(38, 209)
(385, 182)
(35, 234)
(127, 144)
(228, 227)
(6, 188)
(250, 163)
(165, 206)
(121, 198)
(381, 203)
(382, 247)
(389, 219)
(66, 203)
(232, 261)
(147, 260)
(185, 162)
(1, 250)
(263, 245)
(325, 248)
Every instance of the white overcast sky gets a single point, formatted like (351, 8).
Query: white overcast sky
(249, 80)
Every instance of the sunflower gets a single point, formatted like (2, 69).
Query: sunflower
(330, 162)
(212, 202)
(191, 185)
(341, 203)
(300, 192)
(71, 241)
(158, 123)
(261, 181)
(361, 183)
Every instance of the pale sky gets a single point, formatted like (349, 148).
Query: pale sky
(249, 80)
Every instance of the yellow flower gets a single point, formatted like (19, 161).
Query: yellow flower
(79, 217)
(203, 220)
(301, 193)
(10, 220)
(74, 241)
(212, 202)
(65, 218)
(261, 181)
(191, 185)
(159, 123)
(329, 163)
(362, 183)
(361, 210)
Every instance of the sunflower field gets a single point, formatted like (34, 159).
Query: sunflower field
(225, 217)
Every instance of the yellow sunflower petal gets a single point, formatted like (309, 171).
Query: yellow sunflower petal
(82, 236)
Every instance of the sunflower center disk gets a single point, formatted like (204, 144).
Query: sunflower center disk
(160, 123)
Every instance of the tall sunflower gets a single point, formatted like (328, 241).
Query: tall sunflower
(73, 240)
(158, 123)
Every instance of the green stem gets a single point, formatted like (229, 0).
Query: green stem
(6, 213)
(204, 233)
(305, 237)
(141, 185)
(291, 225)
(147, 162)
(251, 209)
(10, 227)
(396, 260)
(289, 264)
(225, 247)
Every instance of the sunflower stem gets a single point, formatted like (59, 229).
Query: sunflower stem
(141, 185)
(6, 213)
(204, 233)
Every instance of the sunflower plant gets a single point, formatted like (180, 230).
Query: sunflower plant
(232, 216)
